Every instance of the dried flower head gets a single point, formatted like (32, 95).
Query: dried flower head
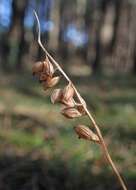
(56, 95)
(48, 68)
(37, 68)
(67, 96)
(43, 77)
(50, 82)
(86, 133)
(68, 92)
(70, 112)
(68, 103)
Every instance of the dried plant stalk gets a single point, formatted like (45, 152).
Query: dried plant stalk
(81, 100)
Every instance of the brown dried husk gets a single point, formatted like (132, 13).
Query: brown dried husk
(43, 77)
(68, 103)
(68, 92)
(86, 133)
(56, 96)
(37, 67)
(70, 112)
(50, 82)
(48, 68)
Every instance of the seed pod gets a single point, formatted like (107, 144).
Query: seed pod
(43, 77)
(86, 133)
(48, 68)
(68, 92)
(56, 95)
(71, 112)
(69, 103)
(50, 82)
(38, 67)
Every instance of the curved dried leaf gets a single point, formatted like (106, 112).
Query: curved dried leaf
(86, 133)
(71, 113)
(56, 95)
(68, 92)
(37, 67)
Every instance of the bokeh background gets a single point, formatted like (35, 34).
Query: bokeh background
(95, 43)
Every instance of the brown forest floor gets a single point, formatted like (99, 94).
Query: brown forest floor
(39, 149)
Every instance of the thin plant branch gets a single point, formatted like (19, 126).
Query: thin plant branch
(102, 142)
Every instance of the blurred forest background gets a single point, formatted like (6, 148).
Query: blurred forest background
(95, 43)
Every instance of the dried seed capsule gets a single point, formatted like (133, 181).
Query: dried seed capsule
(53, 81)
(48, 68)
(43, 77)
(68, 92)
(86, 133)
(50, 82)
(38, 67)
(56, 95)
(69, 103)
(71, 112)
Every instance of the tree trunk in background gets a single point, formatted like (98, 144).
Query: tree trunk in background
(44, 15)
(89, 11)
(117, 5)
(63, 46)
(134, 60)
(4, 49)
(132, 37)
(67, 16)
(13, 39)
(47, 17)
(117, 54)
(96, 67)
(18, 8)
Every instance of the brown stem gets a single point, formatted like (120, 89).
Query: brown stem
(102, 142)
(105, 150)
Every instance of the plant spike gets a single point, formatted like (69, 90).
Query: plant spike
(102, 142)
